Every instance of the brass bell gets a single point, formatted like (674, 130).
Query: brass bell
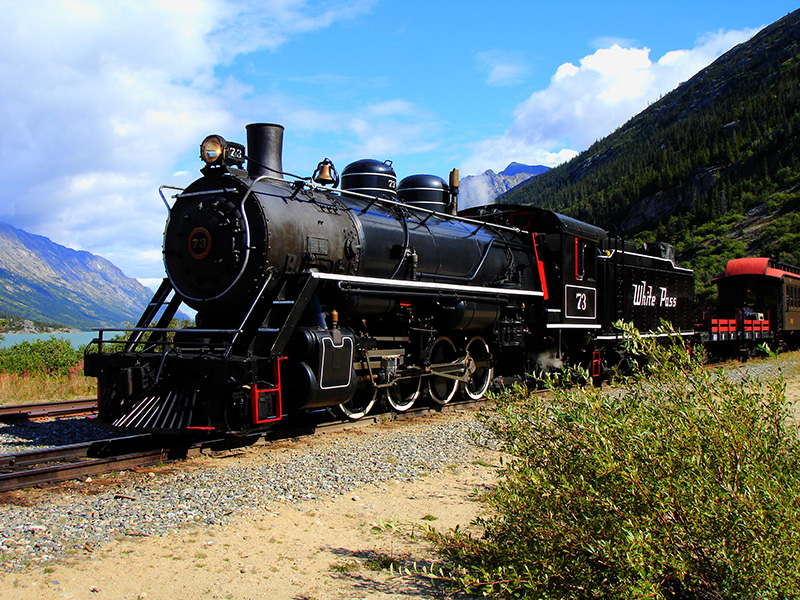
(326, 174)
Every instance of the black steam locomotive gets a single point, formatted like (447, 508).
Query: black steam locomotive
(310, 296)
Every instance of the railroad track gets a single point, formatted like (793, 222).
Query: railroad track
(76, 461)
(49, 466)
(61, 408)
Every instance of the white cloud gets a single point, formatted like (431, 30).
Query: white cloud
(502, 68)
(587, 101)
(388, 129)
(254, 25)
(102, 99)
(391, 108)
(392, 135)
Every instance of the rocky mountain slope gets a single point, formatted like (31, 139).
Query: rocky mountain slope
(45, 281)
(477, 190)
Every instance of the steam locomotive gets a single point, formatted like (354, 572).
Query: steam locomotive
(339, 292)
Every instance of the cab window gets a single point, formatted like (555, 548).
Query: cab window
(584, 260)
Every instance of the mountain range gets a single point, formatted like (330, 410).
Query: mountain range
(478, 190)
(44, 281)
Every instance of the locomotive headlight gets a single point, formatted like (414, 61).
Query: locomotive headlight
(215, 150)
(212, 149)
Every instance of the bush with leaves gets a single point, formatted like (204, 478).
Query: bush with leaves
(677, 482)
(54, 355)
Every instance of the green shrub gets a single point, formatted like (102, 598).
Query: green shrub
(677, 482)
(55, 355)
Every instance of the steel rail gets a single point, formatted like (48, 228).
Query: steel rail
(81, 450)
(37, 457)
(63, 472)
(61, 408)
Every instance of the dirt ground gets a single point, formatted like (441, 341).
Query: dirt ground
(325, 549)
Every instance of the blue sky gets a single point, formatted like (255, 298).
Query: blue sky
(103, 101)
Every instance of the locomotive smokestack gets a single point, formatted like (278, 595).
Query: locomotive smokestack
(264, 150)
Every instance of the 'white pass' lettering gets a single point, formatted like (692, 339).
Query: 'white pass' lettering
(643, 296)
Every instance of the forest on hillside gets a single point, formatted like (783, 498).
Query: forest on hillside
(711, 167)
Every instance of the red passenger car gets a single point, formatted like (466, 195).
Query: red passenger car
(759, 302)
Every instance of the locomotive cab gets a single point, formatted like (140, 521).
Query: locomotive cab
(567, 250)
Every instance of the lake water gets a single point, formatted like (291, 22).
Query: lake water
(75, 339)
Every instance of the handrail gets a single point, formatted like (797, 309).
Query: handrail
(164, 198)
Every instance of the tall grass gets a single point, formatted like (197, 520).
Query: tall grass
(43, 370)
(43, 386)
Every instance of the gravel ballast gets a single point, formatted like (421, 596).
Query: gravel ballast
(146, 504)
(47, 433)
